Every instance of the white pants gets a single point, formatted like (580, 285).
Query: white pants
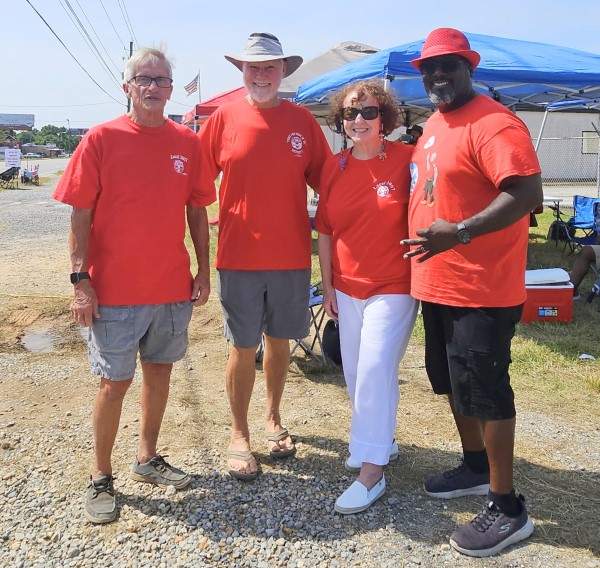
(374, 334)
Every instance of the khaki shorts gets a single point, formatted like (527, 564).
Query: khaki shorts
(158, 332)
(271, 301)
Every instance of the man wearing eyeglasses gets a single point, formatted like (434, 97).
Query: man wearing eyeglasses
(475, 177)
(131, 183)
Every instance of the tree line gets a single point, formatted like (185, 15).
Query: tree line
(48, 134)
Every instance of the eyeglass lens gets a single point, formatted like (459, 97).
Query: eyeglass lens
(446, 65)
(143, 81)
(368, 113)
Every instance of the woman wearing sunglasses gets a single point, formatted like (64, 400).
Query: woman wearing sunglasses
(361, 219)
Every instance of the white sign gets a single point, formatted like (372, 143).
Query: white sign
(12, 158)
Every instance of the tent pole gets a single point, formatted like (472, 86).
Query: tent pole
(597, 159)
(539, 138)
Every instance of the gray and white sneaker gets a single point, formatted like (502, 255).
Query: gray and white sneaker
(457, 482)
(491, 531)
(159, 472)
(100, 502)
(352, 465)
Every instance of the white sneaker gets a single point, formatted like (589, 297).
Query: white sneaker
(358, 498)
(351, 465)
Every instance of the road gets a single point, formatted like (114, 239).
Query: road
(47, 165)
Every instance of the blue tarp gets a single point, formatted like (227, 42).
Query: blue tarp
(512, 71)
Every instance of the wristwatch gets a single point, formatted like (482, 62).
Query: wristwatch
(79, 276)
(463, 234)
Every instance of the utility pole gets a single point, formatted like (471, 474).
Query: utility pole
(68, 149)
(129, 98)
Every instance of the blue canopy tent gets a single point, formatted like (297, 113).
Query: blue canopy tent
(513, 72)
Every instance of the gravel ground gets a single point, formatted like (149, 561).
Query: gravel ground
(286, 517)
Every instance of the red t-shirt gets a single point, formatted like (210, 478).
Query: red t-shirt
(267, 157)
(458, 165)
(364, 209)
(138, 180)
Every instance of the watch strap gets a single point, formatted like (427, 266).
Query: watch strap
(76, 277)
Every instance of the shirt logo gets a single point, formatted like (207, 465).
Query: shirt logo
(179, 164)
(296, 142)
(384, 188)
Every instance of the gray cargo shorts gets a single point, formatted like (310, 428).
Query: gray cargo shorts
(158, 332)
(271, 301)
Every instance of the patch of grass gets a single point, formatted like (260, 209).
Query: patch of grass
(549, 352)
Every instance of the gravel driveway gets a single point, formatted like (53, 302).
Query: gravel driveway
(286, 517)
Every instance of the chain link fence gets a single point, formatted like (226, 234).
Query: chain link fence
(570, 161)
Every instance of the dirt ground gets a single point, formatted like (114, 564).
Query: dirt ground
(558, 441)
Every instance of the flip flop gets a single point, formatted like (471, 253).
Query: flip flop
(277, 437)
(245, 456)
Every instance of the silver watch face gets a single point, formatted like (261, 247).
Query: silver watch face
(464, 236)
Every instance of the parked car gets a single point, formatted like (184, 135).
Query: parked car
(32, 155)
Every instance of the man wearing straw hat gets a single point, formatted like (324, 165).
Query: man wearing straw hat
(475, 177)
(268, 150)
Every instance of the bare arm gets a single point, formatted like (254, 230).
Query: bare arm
(198, 222)
(85, 303)
(329, 300)
(518, 196)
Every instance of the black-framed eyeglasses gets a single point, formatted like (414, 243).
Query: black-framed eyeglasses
(429, 66)
(144, 81)
(368, 113)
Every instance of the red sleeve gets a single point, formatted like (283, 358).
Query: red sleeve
(322, 223)
(203, 192)
(79, 185)
(210, 141)
(321, 152)
(509, 152)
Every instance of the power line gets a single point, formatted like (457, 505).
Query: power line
(113, 26)
(87, 38)
(71, 54)
(117, 67)
(125, 15)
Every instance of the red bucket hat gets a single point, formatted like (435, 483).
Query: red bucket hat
(447, 41)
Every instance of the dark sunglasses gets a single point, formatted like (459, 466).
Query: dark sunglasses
(143, 81)
(368, 113)
(445, 65)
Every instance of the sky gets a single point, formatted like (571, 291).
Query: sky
(41, 78)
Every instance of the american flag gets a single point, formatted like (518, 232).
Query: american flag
(192, 86)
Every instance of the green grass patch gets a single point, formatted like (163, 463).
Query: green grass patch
(548, 352)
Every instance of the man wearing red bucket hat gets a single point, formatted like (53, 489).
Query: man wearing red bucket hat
(475, 177)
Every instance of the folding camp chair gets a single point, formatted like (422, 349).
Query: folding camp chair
(9, 179)
(317, 315)
(582, 220)
(595, 291)
(31, 175)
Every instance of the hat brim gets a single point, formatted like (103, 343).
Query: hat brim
(292, 61)
(471, 56)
